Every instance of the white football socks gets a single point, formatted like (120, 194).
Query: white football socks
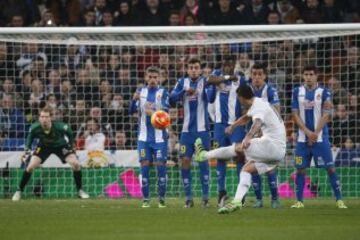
(243, 186)
(222, 153)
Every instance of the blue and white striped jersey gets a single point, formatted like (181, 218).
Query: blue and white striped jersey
(155, 99)
(227, 105)
(196, 116)
(310, 105)
(267, 93)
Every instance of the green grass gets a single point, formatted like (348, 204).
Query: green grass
(124, 219)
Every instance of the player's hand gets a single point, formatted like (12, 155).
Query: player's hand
(229, 130)
(312, 137)
(136, 96)
(25, 156)
(246, 142)
(190, 91)
(148, 109)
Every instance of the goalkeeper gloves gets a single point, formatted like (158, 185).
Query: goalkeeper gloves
(26, 156)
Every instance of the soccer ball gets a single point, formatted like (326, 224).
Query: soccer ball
(160, 119)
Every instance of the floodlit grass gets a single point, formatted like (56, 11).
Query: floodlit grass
(124, 219)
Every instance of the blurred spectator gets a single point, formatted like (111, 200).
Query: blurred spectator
(77, 114)
(121, 141)
(108, 18)
(256, 12)
(94, 138)
(174, 18)
(152, 14)
(12, 120)
(99, 7)
(47, 20)
(65, 13)
(124, 15)
(88, 18)
(67, 94)
(106, 128)
(90, 92)
(190, 20)
(224, 14)
(29, 53)
(348, 155)
(350, 72)
(124, 83)
(6, 63)
(51, 102)
(343, 125)
(53, 82)
(273, 18)
(17, 21)
(35, 100)
(288, 13)
(243, 65)
(20, 12)
(312, 12)
(8, 88)
(117, 113)
(190, 8)
(340, 95)
(332, 12)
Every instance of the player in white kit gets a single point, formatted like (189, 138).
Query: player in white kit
(263, 154)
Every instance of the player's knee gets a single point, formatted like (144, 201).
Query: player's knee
(76, 165)
(185, 163)
(145, 163)
(239, 149)
(331, 170)
(300, 171)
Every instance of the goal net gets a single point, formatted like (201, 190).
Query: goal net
(84, 73)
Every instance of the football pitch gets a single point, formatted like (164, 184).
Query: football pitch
(124, 219)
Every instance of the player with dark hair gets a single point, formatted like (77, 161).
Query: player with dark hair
(55, 137)
(263, 154)
(311, 109)
(268, 93)
(152, 142)
(192, 92)
(222, 92)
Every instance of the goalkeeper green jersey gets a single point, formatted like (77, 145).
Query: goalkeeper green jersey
(60, 135)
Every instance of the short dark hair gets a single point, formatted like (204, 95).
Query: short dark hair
(153, 69)
(245, 91)
(259, 66)
(309, 68)
(229, 58)
(194, 60)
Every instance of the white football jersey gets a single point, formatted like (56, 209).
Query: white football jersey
(273, 126)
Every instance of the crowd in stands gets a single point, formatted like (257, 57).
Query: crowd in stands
(86, 13)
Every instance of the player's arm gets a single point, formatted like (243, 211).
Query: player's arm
(274, 99)
(28, 144)
(327, 110)
(134, 103)
(177, 93)
(297, 119)
(211, 93)
(255, 129)
(165, 101)
(70, 135)
(242, 121)
(213, 79)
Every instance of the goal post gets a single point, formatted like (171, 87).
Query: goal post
(85, 73)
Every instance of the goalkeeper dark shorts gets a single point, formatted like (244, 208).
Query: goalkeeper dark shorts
(44, 152)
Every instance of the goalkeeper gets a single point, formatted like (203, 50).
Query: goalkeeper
(54, 138)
